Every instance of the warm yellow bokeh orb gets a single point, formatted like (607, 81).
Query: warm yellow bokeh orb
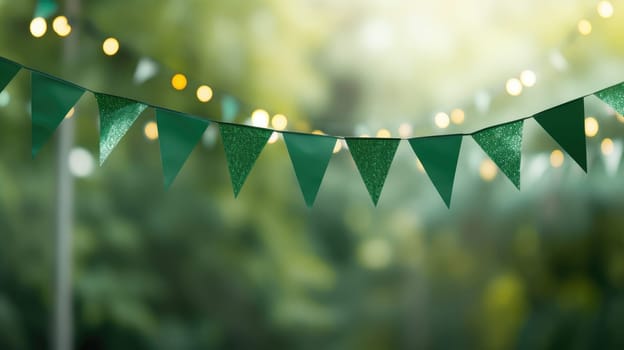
(556, 158)
(151, 130)
(488, 170)
(178, 81)
(110, 46)
(38, 27)
(384, 133)
(337, 146)
(260, 118)
(204, 93)
(513, 87)
(61, 26)
(606, 146)
(528, 78)
(279, 122)
(274, 137)
(405, 130)
(605, 9)
(442, 120)
(591, 127)
(457, 116)
(584, 27)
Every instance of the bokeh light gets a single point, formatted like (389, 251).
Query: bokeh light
(457, 116)
(405, 130)
(110, 46)
(204, 93)
(38, 27)
(260, 118)
(384, 133)
(584, 27)
(81, 163)
(556, 158)
(178, 81)
(273, 138)
(70, 113)
(528, 78)
(151, 130)
(606, 146)
(279, 122)
(337, 146)
(442, 120)
(605, 9)
(488, 170)
(591, 126)
(61, 26)
(513, 87)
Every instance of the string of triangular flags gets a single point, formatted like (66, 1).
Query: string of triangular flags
(53, 97)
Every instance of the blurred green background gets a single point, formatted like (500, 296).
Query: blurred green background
(194, 268)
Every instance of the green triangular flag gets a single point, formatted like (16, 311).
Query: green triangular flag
(8, 69)
(566, 124)
(45, 8)
(117, 114)
(373, 157)
(310, 155)
(439, 155)
(242, 145)
(503, 144)
(51, 100)
(177, 134)
(614, 97)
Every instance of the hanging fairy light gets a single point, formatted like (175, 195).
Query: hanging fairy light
(556, 158)
(178, 81)
(204, 93)
(61, 26)
(38, 27)
(605, 9)
(110, 46)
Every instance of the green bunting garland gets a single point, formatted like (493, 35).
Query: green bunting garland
(566, 124)
(439, 155)
(373, 157)
(310, 155)
(8, 70)
(614, 97)
(242, 145)
(117, 115)
(503, 144)
(51, 100)
(177, 134)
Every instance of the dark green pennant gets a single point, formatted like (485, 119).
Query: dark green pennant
(310, 155)
(8, 70)
(117, 114)
(242, 145)
(439, 155)
(503, 144)
(373, 157)
(614, 97)
(51, 100)
(177, 134)
(566, 124)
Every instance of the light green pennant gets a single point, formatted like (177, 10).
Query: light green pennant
(310, 155)
(373, 157)
(439, 155)
(566, 124)
(8, 69)
(177, 134)
(503, 144)
(51, 100)
(242, 145)
(614, 97)
(117, 114)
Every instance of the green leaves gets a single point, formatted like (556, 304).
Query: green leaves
(503, 144)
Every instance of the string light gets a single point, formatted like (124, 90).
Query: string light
(442, 120)
(405, 130)
(457, 116)
(38, 27)
(204, 93)
(337, 146)
(178, 81)
(273, 139)
(606, 146)
(384, 133)
(279, 122)
(260, 118)
(556, 158)
(591, 127)
(488, 170)
(513, 87)
(61, 26)
(528, 78)
(584, 27)
(110, 46)
(151, 130)
(605, 9)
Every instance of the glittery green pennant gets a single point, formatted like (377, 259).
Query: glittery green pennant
(45, 8)
(117, 114)
(51, 100)
(242, 145)
(439, 155)
(8, 70)
(566, 124)
(614, 97)
(373, 157)
(503, 144)
(177, 134)
(310, 155)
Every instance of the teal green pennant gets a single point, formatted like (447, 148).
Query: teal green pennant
(177, 134)
(373, 157)
(566, 124)
(117, 114)
(242, 145)
(51, 100)
(439, 155)
(503, 144)
(8, 70)
(614, 97)
(45, 8)
(310, 155)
